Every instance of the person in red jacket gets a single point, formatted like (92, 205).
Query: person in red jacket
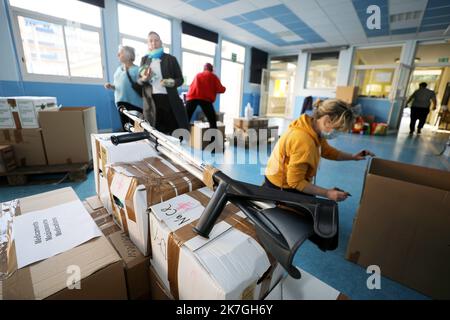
(202, 92)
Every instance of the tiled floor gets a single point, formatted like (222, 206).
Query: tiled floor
(331, 267)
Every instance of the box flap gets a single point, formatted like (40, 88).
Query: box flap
(94, 202)
(411, 173)
(233, 257)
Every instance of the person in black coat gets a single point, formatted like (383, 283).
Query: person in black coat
(161, 76)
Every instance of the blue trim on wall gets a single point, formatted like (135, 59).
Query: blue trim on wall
(379, 108)
(72, 95)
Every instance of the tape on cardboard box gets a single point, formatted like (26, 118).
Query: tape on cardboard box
(185, 233)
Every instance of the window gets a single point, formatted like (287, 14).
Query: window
(71, 10)
(51, 45)
(322, 70)
(374, 82)
(196, 52)
(374, 70)
(134, 26)
(233, 52)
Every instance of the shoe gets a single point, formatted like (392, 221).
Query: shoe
(411, 133)
(419, 132)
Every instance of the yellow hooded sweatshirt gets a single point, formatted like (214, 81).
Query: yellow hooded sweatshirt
(295, 158)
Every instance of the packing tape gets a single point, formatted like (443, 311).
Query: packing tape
(208, 175)
(18, 136)
(6, 136)
(177, 238)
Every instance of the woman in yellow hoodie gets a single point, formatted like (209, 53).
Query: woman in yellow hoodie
(294, 161)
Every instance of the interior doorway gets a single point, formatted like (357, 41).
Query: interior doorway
(432, 66)
(232, 74)
(280, 80)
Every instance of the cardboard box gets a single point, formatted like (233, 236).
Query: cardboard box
(101, 216)
(157, 289)
(403, 226)
(28, 109)
(137, 185)
(7, 158)
(101, 269)
(348, 94)
(230, 264)
(8, 118)
(67, 134)
(307, 287)
(135, 265)
(200, 136)
(254, 123)
(219, 116)
(105, 153)
(28, 146)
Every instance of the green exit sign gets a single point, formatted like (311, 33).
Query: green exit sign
(234, 57)
(443, 60)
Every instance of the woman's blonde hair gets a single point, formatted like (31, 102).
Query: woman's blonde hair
(340, 113)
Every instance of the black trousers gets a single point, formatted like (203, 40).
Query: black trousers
(269, 184)
(420, 114)
(123, 118)
(208, 110)
(165, 119)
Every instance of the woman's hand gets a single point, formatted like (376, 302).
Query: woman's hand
(108, 86)
(362, 155)
(337, 195)
(170, 83)
(146, 75)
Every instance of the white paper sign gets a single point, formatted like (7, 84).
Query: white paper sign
(6, 116)
(42, 234)
(27, 114)
(178, 211)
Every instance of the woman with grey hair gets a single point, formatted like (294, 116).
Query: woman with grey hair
(127, 92)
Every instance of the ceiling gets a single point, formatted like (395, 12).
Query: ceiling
(284, 26)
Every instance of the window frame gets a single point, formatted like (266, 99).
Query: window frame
(195, 52)
(394, 66)
(143, 39)
(37, 77)
(237, 44)
(308, 65)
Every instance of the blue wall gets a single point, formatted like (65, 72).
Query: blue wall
(253, 99)
(70, 95)
(379, 108)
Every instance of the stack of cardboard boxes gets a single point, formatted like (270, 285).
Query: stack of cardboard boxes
(201, 136)
(250, 132)
(42, 134)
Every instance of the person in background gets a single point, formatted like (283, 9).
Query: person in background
(160, 74)
(294, 161)
(420, 108)
(202, 92)
(126, 93)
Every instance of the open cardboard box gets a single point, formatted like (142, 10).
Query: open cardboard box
(403, 226)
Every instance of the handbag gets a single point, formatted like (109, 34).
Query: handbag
(136, 86)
